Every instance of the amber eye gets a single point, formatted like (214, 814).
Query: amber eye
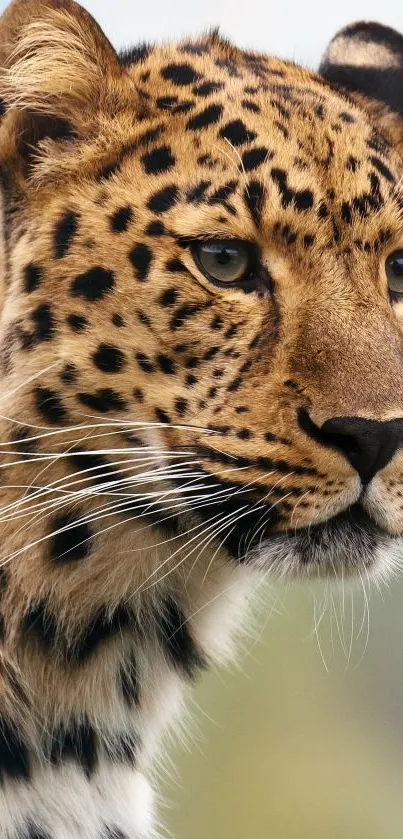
(394, 271)
(224, 261)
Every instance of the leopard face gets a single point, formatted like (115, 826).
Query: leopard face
(199, 252)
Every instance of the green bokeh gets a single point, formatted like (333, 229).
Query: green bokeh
(282, 747)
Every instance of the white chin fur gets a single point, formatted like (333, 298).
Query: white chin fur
(280, 557)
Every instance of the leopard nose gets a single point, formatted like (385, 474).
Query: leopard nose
(368, 445)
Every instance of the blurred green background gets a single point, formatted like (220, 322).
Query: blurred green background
(303, 737)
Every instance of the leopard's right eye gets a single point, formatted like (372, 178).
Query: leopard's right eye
(224, 262)
(394, 271)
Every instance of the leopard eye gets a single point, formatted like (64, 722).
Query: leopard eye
(394, 271)
(223, 261)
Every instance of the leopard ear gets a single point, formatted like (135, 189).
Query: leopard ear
(58, 71)
(367, 58)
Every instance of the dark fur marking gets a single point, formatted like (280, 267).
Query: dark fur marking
(254, 197)
(181, 406)
(197, 192)
(164, 199)
(72, 542)
(128, 682)
(103, 400)
(93, 284)
(237, 133)
(180, 74)
(43, 323)
(141, 257)
(186, 311)
(250, 106)
(155, 228)
(121, 219)
(168, 297)
(158, 160)
(109, 359)
(175, 638)
(162, 416)
(33, 276)
(75, 649)
(76, 322)
(144, 362)
(76, 742)
(49, 405)
(166, 364)
(69, 374)
(134, 55)
(206, 88)
(64, 232)
(209, 116)
(123, 749)
(255, 157)
(14, 761)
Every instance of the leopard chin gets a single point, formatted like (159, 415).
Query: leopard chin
(348, 545)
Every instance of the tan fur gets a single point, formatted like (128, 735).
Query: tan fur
(325, 338)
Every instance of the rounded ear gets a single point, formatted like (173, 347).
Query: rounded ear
(367, 60)
(58, 72)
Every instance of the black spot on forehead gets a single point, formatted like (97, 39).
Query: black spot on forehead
(197, 192)
(49, 405)
(70, 538)
(237, 133)
(180, 74)
(382, 169)
(209, 116)
(255, 157)
(64, 232)
(141, 257)
(33, 275)
(93, 284)
(250, 106)
(121, 219)
(158, 160)
(207, 88)
(134, 55)
(254, 198)
(164, 199)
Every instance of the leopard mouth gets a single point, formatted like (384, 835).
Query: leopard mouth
(252, 533)
(345, 545)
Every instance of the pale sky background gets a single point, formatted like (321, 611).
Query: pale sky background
(295, 29)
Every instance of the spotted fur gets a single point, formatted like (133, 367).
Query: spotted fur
(165, 440)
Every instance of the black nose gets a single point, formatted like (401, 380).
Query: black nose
(369, 445)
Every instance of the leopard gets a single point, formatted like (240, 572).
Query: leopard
(200, 343)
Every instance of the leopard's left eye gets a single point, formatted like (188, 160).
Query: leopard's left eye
(223, 261)
(394, 271)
